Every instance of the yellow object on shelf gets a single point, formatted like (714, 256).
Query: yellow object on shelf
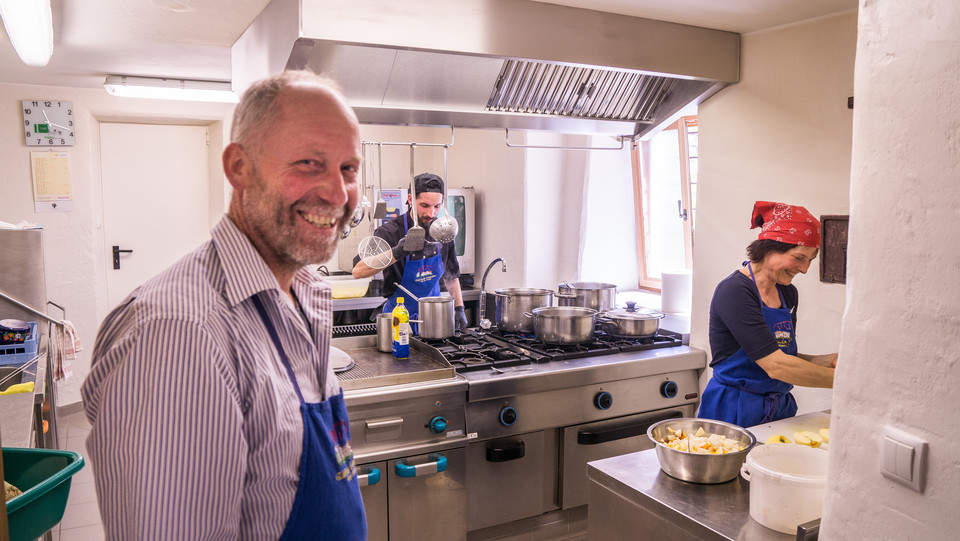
(19, 388)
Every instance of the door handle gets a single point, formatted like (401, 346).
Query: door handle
(116, 256)
(437, 464)
(505, 451)
(629, 429)
(370, 478)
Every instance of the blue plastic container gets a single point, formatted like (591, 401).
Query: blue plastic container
(20, 353)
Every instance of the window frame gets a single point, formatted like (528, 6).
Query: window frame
(639, 160)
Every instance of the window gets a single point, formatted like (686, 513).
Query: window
(665, 181)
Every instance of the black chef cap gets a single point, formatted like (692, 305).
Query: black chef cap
(428, 182)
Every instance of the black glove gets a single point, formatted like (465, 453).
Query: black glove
(459, 318)
(430, 249)
(398, 253)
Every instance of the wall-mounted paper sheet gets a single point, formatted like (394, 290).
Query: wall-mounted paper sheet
(51, 181)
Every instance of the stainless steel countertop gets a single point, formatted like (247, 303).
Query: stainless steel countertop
(719, 512)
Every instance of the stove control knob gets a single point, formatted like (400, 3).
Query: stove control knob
(603, 400)
(508, 415)
(669, 389)
(438, 425)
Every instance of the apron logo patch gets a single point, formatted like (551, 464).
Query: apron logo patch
(343, 451)
(783, 332)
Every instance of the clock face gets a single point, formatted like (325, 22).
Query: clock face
(48, 123)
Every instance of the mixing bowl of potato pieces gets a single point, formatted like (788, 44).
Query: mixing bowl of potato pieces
(700, 450)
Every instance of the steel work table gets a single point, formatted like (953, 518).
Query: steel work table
(19, 413)
(631, 494)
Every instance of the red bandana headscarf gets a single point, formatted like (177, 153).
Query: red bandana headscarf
(791, 224)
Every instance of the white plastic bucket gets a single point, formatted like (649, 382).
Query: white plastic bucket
(787, 484)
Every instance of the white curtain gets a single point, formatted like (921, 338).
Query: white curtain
(608, 244)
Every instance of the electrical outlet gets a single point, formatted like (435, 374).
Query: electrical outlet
(903, 458)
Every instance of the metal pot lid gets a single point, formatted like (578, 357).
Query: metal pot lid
(588, 285)
(632, 311)
(522, 291)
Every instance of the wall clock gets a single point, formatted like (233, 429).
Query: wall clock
(48, 123)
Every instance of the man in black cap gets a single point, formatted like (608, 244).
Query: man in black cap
(419, 272)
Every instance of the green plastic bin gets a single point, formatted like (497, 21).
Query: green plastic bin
(44, 477)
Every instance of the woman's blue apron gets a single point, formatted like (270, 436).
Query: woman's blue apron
(328, 503)
(740, 392)
(420, 277)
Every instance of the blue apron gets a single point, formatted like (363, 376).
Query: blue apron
(740, 392)
(422, 278)
(328, 503)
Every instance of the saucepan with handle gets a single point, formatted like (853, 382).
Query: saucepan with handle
(436, 315)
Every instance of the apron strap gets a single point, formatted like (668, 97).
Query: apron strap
(275, 338)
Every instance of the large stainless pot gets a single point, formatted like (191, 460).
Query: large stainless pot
(596, 295)
(631, 322)
(513, 302)
(436, 317)
(564, 324)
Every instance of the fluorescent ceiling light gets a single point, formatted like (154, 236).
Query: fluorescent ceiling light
(169, 89)
(30, 28)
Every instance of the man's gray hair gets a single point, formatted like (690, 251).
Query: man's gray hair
(259, 105)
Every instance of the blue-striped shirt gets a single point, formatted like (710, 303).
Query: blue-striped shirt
(197, 431)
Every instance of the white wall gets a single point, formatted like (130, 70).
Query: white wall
(900, 364)
(74, 254)
(783, 133)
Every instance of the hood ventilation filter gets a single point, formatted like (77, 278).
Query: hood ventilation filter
(582, 92)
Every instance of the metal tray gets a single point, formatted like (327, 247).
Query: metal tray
(373, 368)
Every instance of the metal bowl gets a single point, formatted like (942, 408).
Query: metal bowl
(695, 467)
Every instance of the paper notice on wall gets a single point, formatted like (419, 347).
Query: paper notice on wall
(51, 181)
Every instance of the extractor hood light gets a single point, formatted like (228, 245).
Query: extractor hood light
(169, 89)
(30, 27)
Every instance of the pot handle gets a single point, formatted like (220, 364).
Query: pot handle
(565, 295)
(529, 315)
(744, 471)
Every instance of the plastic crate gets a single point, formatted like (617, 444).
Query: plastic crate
(20, 353)
(44, 477)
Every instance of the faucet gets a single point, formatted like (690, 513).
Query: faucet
(484, 323)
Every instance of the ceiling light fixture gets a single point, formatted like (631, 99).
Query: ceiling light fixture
(169, 89)
(29, 25)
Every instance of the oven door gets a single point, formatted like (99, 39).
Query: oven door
(427, 496)
(603, 439)
(511, 478)
(373, 489)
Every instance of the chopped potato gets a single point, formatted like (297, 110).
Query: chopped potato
(700, 442)
(12, 491)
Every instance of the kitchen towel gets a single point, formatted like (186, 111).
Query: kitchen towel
(675, 291)
(67, 347)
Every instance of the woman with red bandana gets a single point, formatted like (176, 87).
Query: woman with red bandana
(753, 317)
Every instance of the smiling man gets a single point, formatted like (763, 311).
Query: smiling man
(215, 411)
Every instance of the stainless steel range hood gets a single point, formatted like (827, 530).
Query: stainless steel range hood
(514, 64)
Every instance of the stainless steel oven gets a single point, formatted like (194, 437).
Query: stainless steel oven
(408, 428)
(500, 445)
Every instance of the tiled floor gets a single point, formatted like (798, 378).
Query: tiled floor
(81, 520)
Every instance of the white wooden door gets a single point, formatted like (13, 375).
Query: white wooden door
(155, 199)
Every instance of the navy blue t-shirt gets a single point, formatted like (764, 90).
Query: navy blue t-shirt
(736, 321)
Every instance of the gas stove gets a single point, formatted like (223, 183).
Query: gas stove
(482, 350)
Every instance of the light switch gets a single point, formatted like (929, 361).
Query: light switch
(903, 458)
